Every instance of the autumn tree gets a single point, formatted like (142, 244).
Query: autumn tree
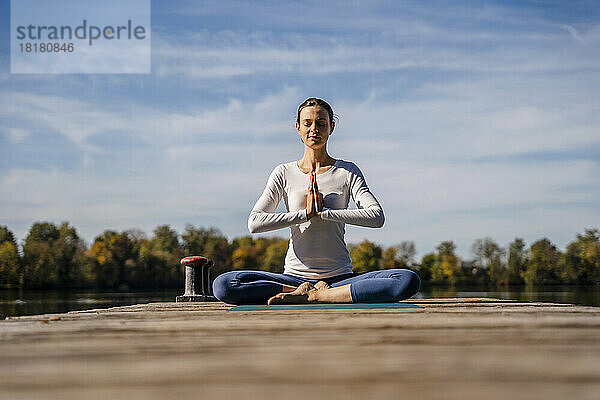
(399, 256)
(10, 260)
(274, 258)
(7, 236)
(389, 258)
(260, 248)
(244, 255)
(265, 254)
(55, 257)
(366, 256)
(113, 256)
(447, 265)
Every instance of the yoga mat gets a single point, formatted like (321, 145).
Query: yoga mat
(321, 306)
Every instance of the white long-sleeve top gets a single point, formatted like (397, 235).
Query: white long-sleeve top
(317, 248)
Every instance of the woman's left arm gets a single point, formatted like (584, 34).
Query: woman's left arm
(369, 212)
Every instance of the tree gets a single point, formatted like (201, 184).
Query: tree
(243, 254)
(447, 266)
(39, 264)
(165, 239)
(399, 256)
(406, 253)
(137, 238)
(275, 256)
(7, 236)
(114, 258)
(446, 248)
(54, 257)
(42, 232)
(10, 261)
(489, 256)
(260, 248)
(242, 241)
(366, 256)
(167, 253)
(69, 250)
(581, 261)
(105, 269)
(426, 267)
(542, 263)
(262, 253)
(517, 262)
(146, 272)
(244, 257)
(389, 258)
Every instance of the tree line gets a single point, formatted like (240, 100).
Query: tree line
(54, 256)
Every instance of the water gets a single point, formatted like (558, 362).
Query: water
(580, 295)
(30, 302)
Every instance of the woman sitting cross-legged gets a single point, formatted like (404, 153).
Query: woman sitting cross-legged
(316, 191)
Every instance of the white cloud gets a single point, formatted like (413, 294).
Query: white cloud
(419, 158)
(17, 135)
(80, 120)
(201, 58)
(362, 38)
(573, 32)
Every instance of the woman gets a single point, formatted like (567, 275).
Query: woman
(316, 190)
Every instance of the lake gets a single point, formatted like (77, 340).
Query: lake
(29, 302)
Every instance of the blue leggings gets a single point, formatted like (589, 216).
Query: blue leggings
(256, 287)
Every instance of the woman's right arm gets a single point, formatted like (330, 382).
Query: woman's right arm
(262, 218)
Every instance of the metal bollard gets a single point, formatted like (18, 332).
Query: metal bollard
(197, 279)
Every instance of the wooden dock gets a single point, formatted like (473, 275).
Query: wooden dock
(447, 349)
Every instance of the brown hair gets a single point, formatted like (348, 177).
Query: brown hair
(313, 101)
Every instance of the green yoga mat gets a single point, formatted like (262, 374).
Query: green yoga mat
(321, 306)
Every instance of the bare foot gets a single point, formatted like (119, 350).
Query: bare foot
(321, 285)
(300, 295)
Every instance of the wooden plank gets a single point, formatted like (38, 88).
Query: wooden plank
(448, 348)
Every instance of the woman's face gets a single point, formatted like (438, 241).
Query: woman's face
(314, 127)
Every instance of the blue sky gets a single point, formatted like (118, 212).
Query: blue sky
(467, 118)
